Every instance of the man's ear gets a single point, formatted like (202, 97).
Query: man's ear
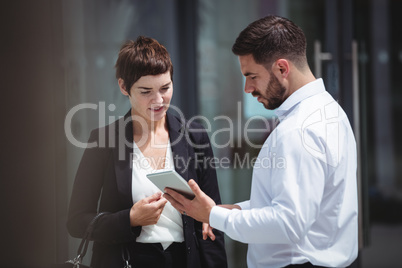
(281, 68)
(122, 87)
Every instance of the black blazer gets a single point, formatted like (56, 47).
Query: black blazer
(103, 183)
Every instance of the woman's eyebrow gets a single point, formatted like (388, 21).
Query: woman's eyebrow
(167, 84)
(149, 88)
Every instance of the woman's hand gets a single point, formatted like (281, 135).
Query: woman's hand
(147, 211)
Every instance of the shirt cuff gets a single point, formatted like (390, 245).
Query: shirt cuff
(217, 217)
(244, 205)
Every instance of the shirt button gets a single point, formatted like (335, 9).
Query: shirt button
(188, 250)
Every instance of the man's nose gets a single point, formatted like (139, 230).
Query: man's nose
(248, 88)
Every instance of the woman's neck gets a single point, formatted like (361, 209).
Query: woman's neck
(145, 127)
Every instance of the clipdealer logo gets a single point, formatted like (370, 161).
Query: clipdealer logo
(233, 135)
(326, 122)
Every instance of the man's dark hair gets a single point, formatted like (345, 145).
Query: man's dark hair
(145, 56)
(272, 38)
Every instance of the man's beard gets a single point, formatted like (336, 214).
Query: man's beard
(274, 93)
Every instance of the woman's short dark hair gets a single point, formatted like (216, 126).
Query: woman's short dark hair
(144, 56)
(272, 38)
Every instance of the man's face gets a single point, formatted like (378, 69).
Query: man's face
(262, 83)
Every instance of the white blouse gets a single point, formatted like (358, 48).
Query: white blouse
(169, 228)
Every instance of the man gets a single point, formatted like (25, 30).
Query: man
(303, 214)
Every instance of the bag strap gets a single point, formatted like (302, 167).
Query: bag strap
(82, 250)
(125, 253)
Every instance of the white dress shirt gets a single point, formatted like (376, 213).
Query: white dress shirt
(169, 227)
(303, 202)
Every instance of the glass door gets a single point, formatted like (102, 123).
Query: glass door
(379, 43)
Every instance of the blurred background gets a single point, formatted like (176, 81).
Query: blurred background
(57, 54)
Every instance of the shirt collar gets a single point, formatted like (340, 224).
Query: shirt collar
(306, 91)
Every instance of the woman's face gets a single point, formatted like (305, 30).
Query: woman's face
(150, 96)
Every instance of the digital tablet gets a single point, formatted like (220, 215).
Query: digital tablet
(171, 179)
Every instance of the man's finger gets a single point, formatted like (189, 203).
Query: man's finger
(175, 195)
(207, 231)
(195, 188)
(205, 228)
(211, 234)
(174, 203)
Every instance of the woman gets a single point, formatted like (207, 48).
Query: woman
(140, 221)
